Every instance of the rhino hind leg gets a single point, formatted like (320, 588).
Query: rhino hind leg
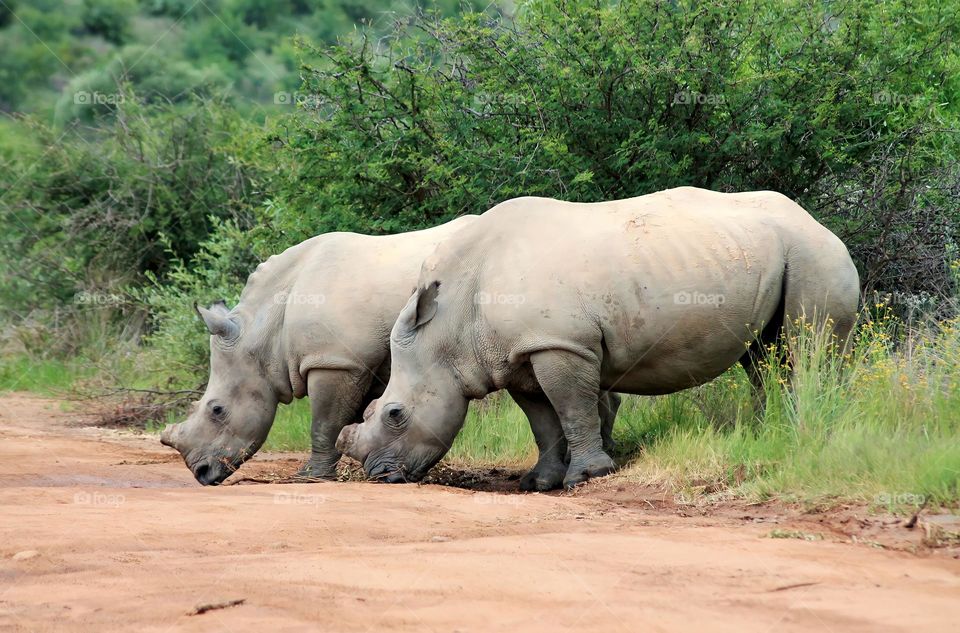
(572, 384)
(609, 403)
(770, 335)
(336, 398)
(550, 469)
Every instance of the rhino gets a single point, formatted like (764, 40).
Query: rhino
(314, 320)
(560, 303)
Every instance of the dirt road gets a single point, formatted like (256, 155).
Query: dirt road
(101, 530)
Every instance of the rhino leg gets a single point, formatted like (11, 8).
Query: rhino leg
(550, 469)
(771, 335)
(751, 365)
(335, 400)
(572, 384)
(609, 404)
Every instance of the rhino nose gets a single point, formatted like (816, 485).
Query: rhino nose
(166, 436)
(347, 441)
(208, 473)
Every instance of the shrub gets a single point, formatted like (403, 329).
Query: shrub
(840, 106)
(147, 75)
(110, 19)
(94, 210)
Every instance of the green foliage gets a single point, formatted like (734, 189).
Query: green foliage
(229, 40)
(30, 57)
(110, 19)
(144, 74)
(839, 106)
(44, 44)
(179, 341)
(176, 9)
(7, 12)
(94, 210)
(45, 376)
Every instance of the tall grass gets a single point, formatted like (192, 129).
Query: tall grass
(495, 433)
(291, 428)
(881, 424)
(44, 376)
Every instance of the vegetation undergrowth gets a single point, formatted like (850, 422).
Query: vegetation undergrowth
(44, 376)
(880, 425)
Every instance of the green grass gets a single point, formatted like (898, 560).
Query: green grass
(291, 428)
(46, 377)
(882, 426)
(496, 433)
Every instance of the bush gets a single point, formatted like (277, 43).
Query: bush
(148, 75)
(7, 13)
(178, 343)
(91, 212)
(110, 19)
(228, 39)
(842, 107)
(176, 9)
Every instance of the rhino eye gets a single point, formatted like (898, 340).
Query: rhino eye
(395, 417)
(218, 411)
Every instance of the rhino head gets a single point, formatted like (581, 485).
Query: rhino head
(411, 426)
(231, 421)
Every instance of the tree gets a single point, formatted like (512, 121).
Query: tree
(847, 108)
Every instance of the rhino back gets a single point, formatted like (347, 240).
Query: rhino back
(665, 289)
(346, 292)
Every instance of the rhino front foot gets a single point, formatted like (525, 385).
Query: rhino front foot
(597, 465)
(543, 477)
(320, 469)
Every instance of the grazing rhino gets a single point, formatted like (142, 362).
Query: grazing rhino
(559, 302)
(314, 320)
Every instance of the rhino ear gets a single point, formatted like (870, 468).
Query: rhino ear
(421, 307)
(217, 320)
(219, 306)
